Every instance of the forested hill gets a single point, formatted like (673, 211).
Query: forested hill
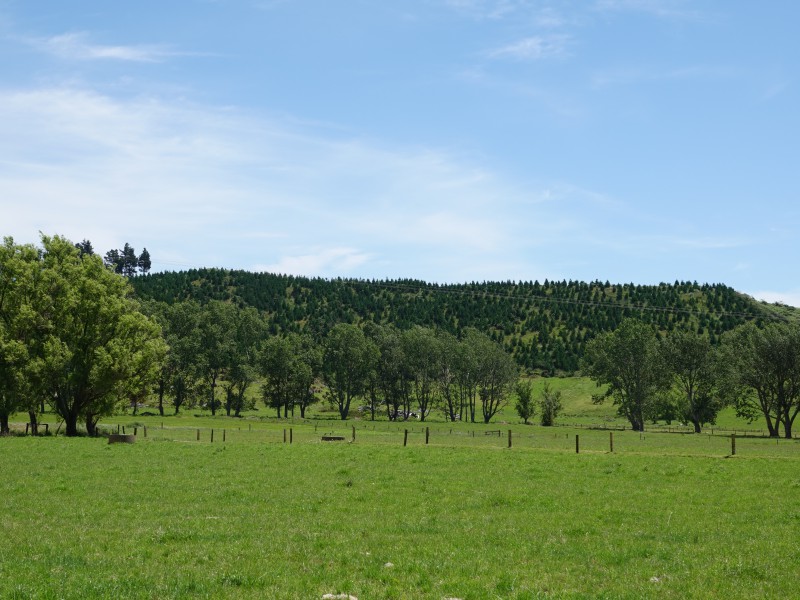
(545, 325)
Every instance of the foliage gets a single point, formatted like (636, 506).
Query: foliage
(693, 364)
(525, 404)
(545, 326)
(628, 361)
(763, 372)
(97, 349)
(348, 359)
(550, 405)
(18, 330)
(289, 366)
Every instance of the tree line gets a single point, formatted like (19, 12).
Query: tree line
(544, 326)
(378, 368)
(681, 376)
(74, 337)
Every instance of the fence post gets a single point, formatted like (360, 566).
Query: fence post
(427, 435)
(135, 431)
(354, 433)
(123, 430)
(405, 438)
(284, 436)
(224, 435)
(26, 428)
(145, 431)
(291, 435)
(212, 436)
(509, 438)
(733, 444)
(577, 444)
(611, 441)
(198, 435)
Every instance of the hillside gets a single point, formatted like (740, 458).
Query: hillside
(544, 325)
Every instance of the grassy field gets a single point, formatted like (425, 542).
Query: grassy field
(666, 515)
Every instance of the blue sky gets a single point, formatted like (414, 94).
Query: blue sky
(446, 140)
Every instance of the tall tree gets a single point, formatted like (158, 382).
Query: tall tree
(497, 372)
(18, 331)
(692, 363)
(85, 247)
(289, 366)
(763, 372)
(347, 362)
(424, 358)
(98, 348)
(628, 361)
(525, 404)
(241, 358)
(217, 342)
(144, 263)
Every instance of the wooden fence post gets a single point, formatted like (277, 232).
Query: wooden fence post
(135, 431)
(284, 436)
(427, 435)
(354, 433)
(405, 438)
(145, 431)
(212, 436)
(611, 441)
(509, 438)
(291, 435)
(577, 444)
(224, 435)
(733, 444)
(198, 435)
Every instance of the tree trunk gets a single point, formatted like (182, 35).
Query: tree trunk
(71, 424)
(697, 428)
(34, 422)
(302, 411)
(4, 428)
(91, 425)
(161, 386)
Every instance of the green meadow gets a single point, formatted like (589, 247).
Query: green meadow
(665, 515)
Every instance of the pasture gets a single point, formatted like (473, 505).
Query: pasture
(665, 515)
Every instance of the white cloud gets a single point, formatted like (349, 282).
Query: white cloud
(534, 48)
(76, 46)
(319, 263)
(202, 186)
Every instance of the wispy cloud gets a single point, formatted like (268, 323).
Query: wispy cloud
(658, 8)
(636, 75)
(534, 48)
(190, 179)
(77, 46)
(319, 263)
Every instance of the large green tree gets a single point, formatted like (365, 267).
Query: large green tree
(18, 329)
(98, 349)
(289, 365)
(763, 372)
(692, 363)
(348, 359)
(628, 361)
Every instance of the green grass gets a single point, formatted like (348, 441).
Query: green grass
(666, 515)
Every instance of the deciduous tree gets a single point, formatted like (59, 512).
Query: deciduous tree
(628, 361)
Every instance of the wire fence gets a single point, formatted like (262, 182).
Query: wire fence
(576, 439)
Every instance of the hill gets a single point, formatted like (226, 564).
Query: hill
(544, 325)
